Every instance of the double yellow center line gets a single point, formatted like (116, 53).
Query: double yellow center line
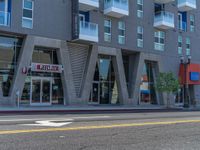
(5, 132)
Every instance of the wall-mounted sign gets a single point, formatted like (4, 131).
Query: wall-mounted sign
(38, 67)
(189, 74)
(194, 76)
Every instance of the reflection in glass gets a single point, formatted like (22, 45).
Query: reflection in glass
(57, 91)
(46, 87)
(147, 89)
(36, 87)
(9, 52)
(25, 99)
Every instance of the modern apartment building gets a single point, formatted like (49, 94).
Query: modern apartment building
(102, 52)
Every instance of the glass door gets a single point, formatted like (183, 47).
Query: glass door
(41, 91)
(94, 99)
(46, 91)
(35, 91)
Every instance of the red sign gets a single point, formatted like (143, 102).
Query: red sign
(38, 67)
(186, 72)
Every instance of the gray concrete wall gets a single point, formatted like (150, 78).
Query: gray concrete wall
(51, 19)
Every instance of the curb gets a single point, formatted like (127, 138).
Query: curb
(85, 111)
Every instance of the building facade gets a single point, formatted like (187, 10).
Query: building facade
(102, 52)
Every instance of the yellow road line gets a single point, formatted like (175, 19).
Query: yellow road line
(97, 127)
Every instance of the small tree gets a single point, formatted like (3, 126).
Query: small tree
(167, 83)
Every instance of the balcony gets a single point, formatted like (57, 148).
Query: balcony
(186, 5)
(164, 20)
(88, 31)
(4, 18)
(163, 1)
(87, 5)
(116, 8)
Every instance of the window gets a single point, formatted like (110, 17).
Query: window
(121, 36)
(159, 40)
(180, 43)
(182, 21)
(192, 23)
(140, 8)
(9, 53)
(139, 36)
(27, 18)
(107, 30)
(5, 12)
(188, 46)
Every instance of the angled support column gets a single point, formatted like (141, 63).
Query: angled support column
(67, 77)
(89, 74)
(120, 78)
(135, 84)
(24, 61)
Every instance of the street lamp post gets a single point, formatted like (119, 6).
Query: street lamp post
(185, 63)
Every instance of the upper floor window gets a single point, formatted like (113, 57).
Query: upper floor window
(140, 8)
(159, 40)
(5, 12)
(188, 46)
(192, 23)
(107, 30)
(121, 36)
(27, 18)
(139, 36)
(180, 43)
(182, 21)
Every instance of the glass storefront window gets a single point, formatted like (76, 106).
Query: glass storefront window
(147, 89)
(9, 52)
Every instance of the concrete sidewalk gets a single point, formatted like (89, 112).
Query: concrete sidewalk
(86, 109)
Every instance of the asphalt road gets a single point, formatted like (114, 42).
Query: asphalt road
(126, 131)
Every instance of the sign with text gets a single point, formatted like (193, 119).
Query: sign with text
(38, 67)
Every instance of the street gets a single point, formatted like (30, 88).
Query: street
(107, 131)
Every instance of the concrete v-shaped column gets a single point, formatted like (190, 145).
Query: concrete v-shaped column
(67, 77)
(24, 61)
(120, 78)
(89, 74)
(119, 72)
(135, 83)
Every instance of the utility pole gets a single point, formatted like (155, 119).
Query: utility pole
(185, 63)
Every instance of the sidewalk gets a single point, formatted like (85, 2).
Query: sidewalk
(86, 109)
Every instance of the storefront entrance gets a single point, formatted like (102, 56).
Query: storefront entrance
(104, 87)
(43, 84)
(41, 91)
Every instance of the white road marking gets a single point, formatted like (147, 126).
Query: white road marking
(50, 123)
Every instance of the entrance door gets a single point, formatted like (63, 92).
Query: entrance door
(41, 91)
(95, 93)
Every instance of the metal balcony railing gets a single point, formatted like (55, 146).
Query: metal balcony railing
(120, 4)
(164, 16)
(193, 2)
(89, 29)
